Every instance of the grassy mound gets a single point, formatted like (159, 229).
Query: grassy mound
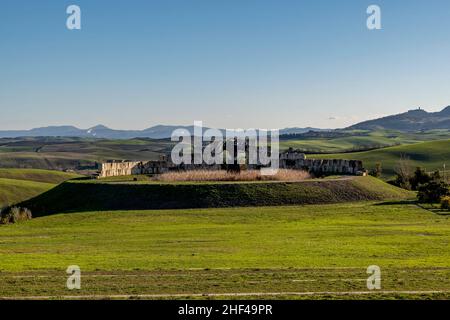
(78, 196)
(429, 155)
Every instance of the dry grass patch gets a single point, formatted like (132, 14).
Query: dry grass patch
(222, 175)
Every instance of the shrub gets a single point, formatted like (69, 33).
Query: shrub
(15, 214)
(402, 182)
(433, 191)
(377, 171)
(445, 203)
(404, 179)
(436, 176)
(419, 177)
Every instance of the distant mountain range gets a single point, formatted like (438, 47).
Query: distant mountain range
(413, 120)
(100, 131)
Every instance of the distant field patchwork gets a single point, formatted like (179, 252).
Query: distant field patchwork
(75, 153)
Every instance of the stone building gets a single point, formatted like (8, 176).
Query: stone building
(294, 159)
(290, 159)
(115, 168)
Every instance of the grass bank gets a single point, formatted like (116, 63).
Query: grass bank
(79, 196)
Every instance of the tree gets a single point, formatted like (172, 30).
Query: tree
(433, 191)
(420, 177)
(403, 171)
(436, 176)
(377, 171)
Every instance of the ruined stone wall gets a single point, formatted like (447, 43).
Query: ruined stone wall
(290, 159)
(113, 169)
(127, 168)
(293, 159)
(328, 166)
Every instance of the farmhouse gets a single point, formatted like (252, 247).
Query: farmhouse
(290, 159)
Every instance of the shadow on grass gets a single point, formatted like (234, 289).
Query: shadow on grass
(391, 203)
(434, 208)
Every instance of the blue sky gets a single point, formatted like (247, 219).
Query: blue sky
(233, 63)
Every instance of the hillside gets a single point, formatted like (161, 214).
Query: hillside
(412, 120)
(37, 175)
(91, 195)
(13, 191)
(429, 155)
(17, 185)
(357, 140)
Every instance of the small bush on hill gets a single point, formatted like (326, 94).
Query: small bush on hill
(433, 191)
(445, 203)
(377, 171)
(15, 214)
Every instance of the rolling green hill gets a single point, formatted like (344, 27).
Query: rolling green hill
(76, 196)
(37, 175)
(13, 191)
(360, 140)
(17, 185)
(429, 155)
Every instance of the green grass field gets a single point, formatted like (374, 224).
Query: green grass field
(270, 250)
(17, 185)
(429, 155)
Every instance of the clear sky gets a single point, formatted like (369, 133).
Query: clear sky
(229, 63)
